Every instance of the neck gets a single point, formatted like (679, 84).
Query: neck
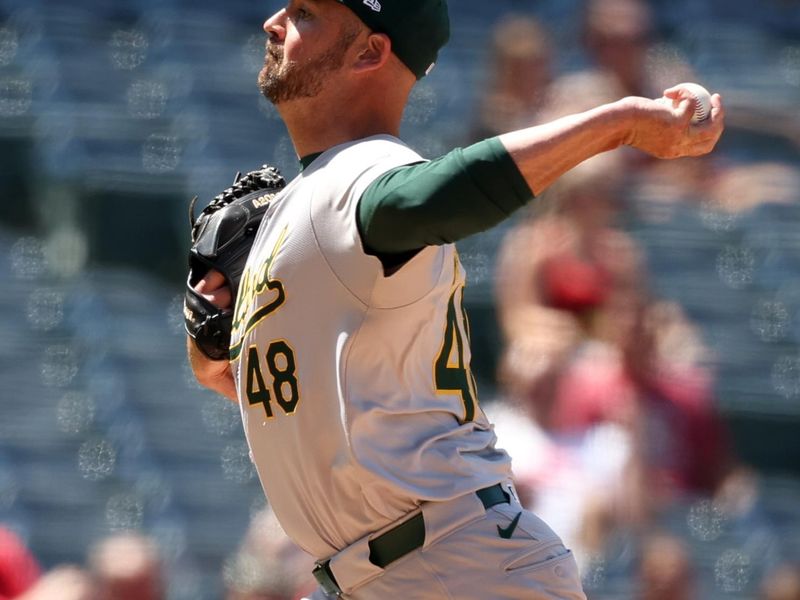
(329, 119)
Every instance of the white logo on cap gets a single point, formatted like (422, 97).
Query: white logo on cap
(373, 4)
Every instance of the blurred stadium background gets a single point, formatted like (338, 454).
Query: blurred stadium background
(114, 114)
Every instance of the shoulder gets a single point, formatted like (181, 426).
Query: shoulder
(342, 173)
(367, 153)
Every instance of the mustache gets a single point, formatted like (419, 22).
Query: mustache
(274, 51)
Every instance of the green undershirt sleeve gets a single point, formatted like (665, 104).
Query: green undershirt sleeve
(461, 193)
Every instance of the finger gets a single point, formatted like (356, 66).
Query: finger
(220, 297)
(717, 108)
(210, 281)
(214, 288)
(685, 108)
(677, 92)
(685, 101)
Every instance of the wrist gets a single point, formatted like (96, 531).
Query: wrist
(624, 116)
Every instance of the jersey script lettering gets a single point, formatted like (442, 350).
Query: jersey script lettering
(255, 282)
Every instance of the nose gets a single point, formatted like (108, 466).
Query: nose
(275, 26)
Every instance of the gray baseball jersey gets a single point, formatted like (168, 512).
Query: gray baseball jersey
(355, 389)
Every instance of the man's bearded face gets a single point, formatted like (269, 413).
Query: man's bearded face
(281, 81)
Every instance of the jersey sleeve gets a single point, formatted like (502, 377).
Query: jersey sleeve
(439, 202)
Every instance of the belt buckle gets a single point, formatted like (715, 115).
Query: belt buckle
(322, 573)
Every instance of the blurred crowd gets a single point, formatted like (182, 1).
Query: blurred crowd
(607, 400)
(607, 392)
(127, 565)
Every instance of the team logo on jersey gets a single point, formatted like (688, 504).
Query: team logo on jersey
(254, 283)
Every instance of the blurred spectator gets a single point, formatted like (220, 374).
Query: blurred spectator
(665, 571)
(127, 566)
(519, 71)
(659, 191)
(268, 565)
(742, 188)
(557, 269)
(21, 577)
(617, 35)
(19, 570)
(727, 189)
(570, 239)
(681, 437)
(62, 583)
(578, 91)
(620, 38)
(621, 421)
(783, 583)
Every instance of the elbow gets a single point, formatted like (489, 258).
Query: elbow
(203, 377)
(220, 381)
(215, 375)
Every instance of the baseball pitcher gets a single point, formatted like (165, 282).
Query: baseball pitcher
(330, 309)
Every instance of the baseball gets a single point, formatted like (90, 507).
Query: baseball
(703, 100)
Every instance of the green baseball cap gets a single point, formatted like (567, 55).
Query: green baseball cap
(418, 28)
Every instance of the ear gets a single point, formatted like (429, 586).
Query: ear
(374, 53)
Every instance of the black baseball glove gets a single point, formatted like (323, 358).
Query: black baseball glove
(221, 239)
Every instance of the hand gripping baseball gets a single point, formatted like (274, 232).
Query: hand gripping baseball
(222, 236)
(670, 128)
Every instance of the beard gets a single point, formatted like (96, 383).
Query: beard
(281, 81)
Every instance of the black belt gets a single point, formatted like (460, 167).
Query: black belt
(400, 540)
